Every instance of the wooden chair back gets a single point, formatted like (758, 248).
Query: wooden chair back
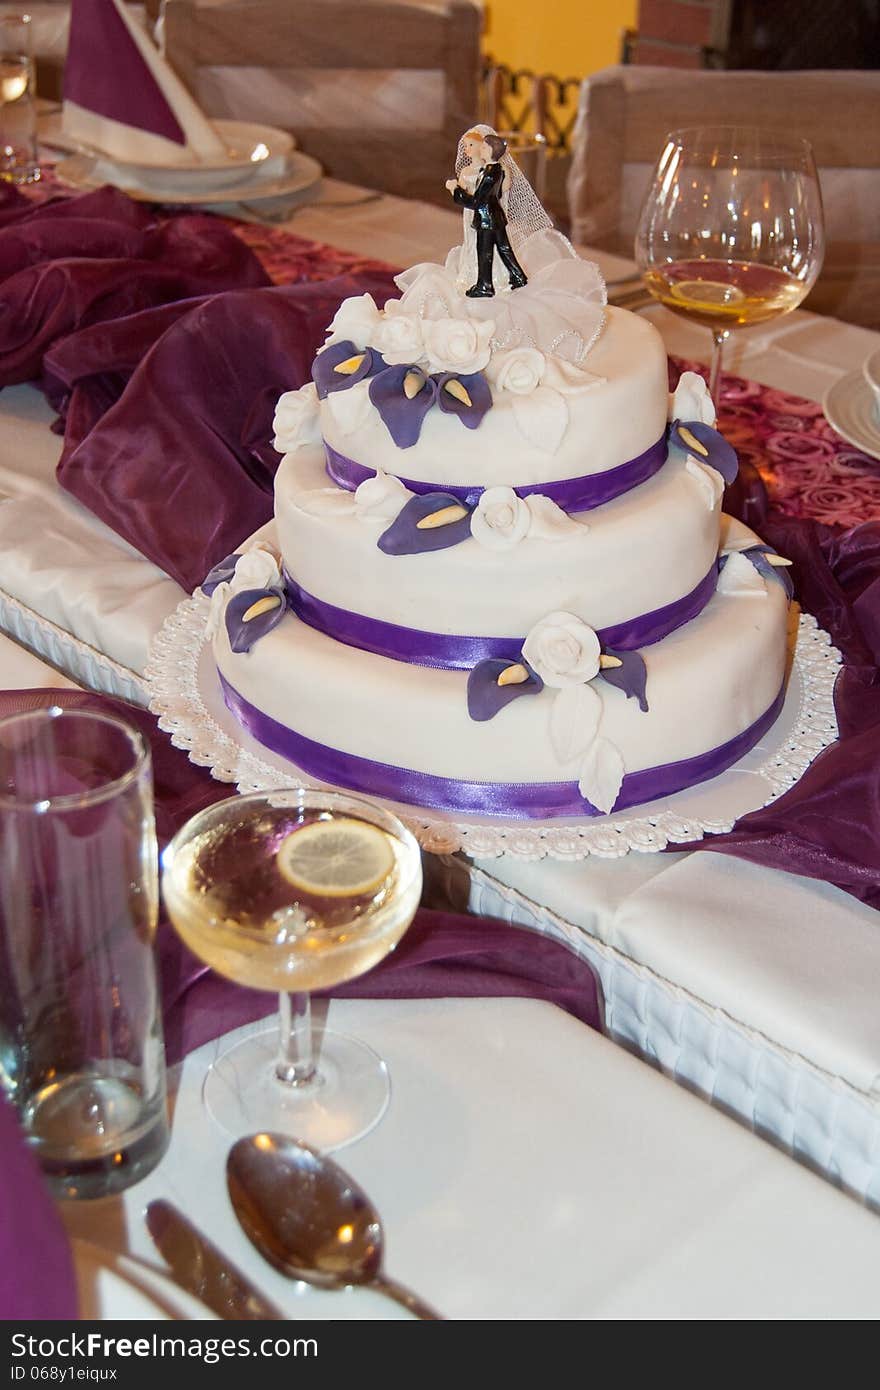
(342, 41)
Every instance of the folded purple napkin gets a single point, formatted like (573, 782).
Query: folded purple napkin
(828, 825)
(36, 1268)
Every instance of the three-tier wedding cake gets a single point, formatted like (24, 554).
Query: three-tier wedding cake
(505, 584)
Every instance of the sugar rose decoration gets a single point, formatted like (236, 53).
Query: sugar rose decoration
(296, 419)
(398, 336)
(501, 519)
(563, 650)
(357, 320)
(457, 345)
(520, 370)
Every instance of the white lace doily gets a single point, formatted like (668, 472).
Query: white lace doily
(185, 693)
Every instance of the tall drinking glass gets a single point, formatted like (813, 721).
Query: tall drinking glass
(18, 102)
(732, 231)
(293, 891)
(81, 1050)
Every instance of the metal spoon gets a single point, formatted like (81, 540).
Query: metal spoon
(308, 1218)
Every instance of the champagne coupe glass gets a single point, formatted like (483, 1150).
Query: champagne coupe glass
(731, 232)
(293, 891)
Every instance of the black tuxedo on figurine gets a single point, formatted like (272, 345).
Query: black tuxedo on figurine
(490, 224)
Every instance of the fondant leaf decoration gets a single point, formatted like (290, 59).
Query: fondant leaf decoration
(542, 417)
(325, 375)
(738, 577)
(401, 412)
(706, 444)
(601, 775)
(350, 409)
(486, 696)
(221, 573)
(710, 482)
(574, 719)
(327, 501)
(411, 532)
(468, 396)
(251, 614)
(550, 522)
(630, 676)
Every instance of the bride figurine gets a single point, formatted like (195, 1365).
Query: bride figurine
(537, 291)
(480, 188)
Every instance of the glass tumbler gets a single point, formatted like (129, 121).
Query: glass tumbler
(81, 1050)
(18, 102)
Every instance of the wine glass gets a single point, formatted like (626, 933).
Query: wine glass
(294, 891)
(731, 232)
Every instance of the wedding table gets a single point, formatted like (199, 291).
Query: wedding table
(527, 1168)
(769, 1012)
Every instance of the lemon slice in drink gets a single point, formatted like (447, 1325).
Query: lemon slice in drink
(708, 292)
(340, 858)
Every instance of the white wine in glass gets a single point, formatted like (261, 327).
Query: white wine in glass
(731, 232)
(293, 891)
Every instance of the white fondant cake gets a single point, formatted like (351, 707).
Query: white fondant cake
(505, 583)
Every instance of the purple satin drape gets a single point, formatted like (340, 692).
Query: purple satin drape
(828, 825)
(164, 349)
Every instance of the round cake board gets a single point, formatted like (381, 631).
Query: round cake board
(185, 693)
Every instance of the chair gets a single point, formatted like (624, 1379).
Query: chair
(624, 113)
(379, 91)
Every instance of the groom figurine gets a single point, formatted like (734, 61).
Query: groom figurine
(490, 222)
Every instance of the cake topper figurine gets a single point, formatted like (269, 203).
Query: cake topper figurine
(480, 187)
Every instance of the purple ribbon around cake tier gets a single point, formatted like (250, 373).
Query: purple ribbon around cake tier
(529, 800)
(571, 494)
(462, 653)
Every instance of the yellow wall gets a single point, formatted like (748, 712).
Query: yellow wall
(569, 38)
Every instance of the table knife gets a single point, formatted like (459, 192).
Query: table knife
(203, 1270)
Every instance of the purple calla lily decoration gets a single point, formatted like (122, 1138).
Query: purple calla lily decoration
(494, 683)
(758, 556)
(342, 365)
(468, 396)
(251, 614)
(630, 676)
(403, 396)
(433, 521)
(221, 573)
(706, 444)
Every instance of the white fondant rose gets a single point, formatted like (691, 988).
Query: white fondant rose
(520, 370)
(355, 320)
(398, 336)
(500, 519)
(383, 496)
(258, 568)
(563, 650)
(296, 419)
(691, 400)
(457, 345)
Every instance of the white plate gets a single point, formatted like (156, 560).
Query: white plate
(300, 173)
(250, 149)
(117, 1287)
(851, 408)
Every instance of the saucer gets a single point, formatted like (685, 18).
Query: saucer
(300, 172)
